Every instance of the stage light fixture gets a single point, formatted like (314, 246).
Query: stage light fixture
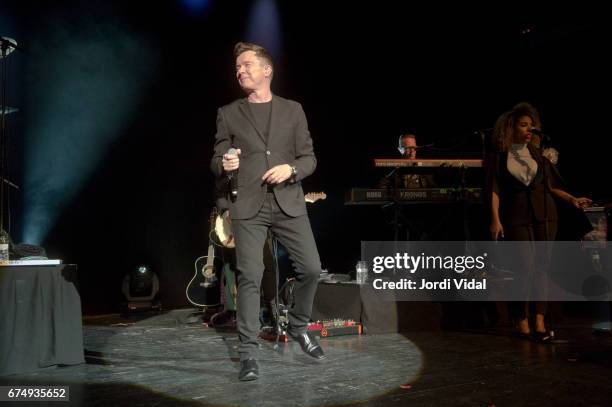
(140, 288)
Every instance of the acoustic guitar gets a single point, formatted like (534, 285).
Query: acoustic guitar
(204, 290)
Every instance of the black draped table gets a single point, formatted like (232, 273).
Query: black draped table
(40, 321)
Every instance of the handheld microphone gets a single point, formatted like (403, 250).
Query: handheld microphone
(537, 132)
(545, 138)
(232, 175)
(533, 130)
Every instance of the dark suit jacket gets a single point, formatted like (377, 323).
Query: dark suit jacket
(521, 204)
(288, 142)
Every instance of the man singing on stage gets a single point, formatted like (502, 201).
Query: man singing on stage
(263, 150)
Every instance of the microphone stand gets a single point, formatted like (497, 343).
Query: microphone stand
(548, 249)
(5, 44)
(4, 47)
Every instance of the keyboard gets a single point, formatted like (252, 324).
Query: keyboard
(375, 196)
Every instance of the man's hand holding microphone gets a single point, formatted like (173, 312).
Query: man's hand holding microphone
(231, 162)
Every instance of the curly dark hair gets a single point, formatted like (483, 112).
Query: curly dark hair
(505, 125)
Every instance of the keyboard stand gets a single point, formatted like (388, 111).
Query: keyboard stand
(399, 219)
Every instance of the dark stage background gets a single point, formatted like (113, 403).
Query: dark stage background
(364, 73)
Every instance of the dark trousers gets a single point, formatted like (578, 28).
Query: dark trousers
(295, 234)
(230, 280)
(533, 263)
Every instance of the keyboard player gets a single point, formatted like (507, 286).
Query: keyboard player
(416, 222)
(407, 146)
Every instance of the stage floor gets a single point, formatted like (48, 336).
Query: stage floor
(163, 360)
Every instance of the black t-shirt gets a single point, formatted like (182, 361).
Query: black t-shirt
(261, 114)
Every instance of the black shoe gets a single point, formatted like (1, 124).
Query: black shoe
(248, 370)
(542, 337)
(309, 345)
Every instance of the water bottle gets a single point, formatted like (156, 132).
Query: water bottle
(361, 272)
(4, 248)
(596, 260)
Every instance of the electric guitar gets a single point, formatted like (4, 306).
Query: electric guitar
(204, 290)
(223, 223)
(313, 197)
